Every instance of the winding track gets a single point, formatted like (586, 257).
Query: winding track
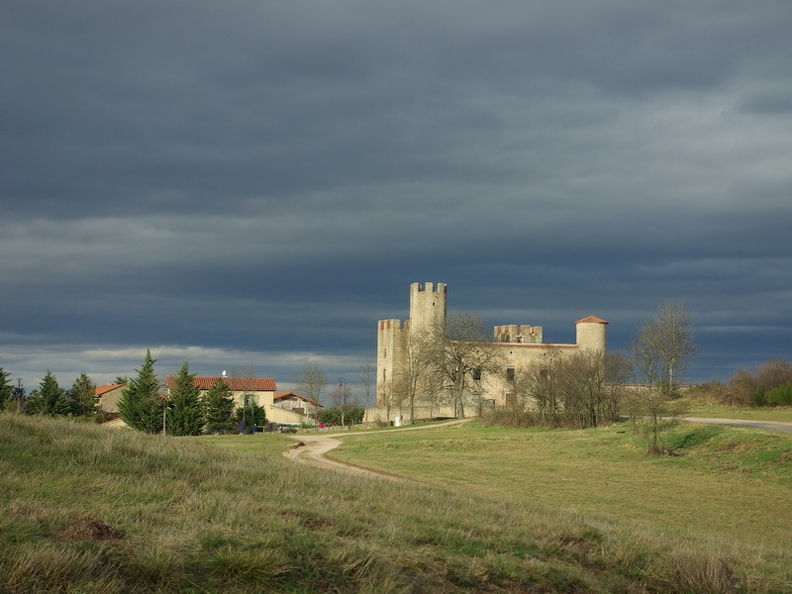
(311, 449)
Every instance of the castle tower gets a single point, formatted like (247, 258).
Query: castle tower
(391, 338)
(428, 307)
(427, 314)
(592, 334)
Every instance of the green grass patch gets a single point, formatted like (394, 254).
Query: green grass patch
(700, 407)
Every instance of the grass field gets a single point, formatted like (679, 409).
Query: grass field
(726, 489)
(95, 510)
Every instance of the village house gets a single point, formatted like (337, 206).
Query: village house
(287, 408)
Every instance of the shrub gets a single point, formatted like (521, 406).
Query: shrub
(758, 397)
(752, 389)
(780, 396)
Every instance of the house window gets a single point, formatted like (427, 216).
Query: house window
(477, 374)
(510, 374)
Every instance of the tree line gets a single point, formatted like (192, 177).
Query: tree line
(144, 405)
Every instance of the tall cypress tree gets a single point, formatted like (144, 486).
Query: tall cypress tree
(140, 405)
(218, 407)
(83, 396)
(184, 416)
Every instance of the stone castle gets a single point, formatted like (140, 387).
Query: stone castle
(520, 345)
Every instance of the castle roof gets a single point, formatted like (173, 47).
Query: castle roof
(591, 320)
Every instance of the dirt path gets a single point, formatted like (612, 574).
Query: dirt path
(312, 449)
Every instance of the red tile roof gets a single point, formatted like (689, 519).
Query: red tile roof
(591, 320)
(281, 395)
(102, 390)
(238, 384)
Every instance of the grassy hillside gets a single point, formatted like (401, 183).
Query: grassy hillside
(89, 509)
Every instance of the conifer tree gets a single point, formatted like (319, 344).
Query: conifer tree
(49, 399)
(19, 397)
(83, 396)
(185, 415)
(5, 388)
(218, 407)
(140, 405)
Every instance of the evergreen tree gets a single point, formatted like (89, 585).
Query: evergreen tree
(83, 396)
(184, 416)
(251, 413)
(140, 405)
(19, 397)
(50, 399)
(5, 388)
(218, 407)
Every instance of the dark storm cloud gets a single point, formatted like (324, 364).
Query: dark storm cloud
(262, 181)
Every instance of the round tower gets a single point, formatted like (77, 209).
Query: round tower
(428, 306)
(592, 334)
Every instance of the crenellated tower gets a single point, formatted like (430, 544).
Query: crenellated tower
(428, 307)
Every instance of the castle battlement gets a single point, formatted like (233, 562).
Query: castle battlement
(518, 333)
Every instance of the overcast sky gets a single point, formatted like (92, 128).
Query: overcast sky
(248, 184)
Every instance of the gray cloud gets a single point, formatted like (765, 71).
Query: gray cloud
(267, 179)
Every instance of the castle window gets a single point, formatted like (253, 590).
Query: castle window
(477, 374)
(510, 374)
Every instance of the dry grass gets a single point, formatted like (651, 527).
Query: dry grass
(96, 510)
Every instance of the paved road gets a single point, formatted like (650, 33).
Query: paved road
(769, 425)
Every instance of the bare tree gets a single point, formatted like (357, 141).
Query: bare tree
(659, 352)
(310, 381)
(664, 345)
(340, 398)
(420, 364)
(538, 384)
(618, 372)
(468, 352)
(366, 378)
(388, 397)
